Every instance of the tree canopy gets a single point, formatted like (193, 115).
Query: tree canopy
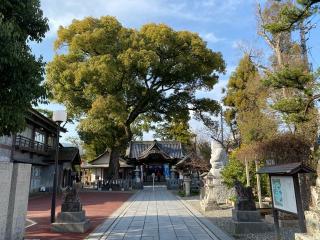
(116, 80)
(246, 99)
(21, 73)
(294, 87)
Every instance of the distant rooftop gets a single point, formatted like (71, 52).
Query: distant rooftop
(140, 149)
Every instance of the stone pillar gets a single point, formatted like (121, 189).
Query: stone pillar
(14, 195)
(209, 201)
(313, 215)
(5, 186)
(137, 174)
(187, 185)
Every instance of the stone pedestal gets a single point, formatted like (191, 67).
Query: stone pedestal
(214, 191)
(313, 215)
(245, 217)
(208, 201)
(244, 222)
(14, 195)
(187, 185)
(71, 222)
(72, 218)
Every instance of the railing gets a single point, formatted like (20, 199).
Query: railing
(26, 144)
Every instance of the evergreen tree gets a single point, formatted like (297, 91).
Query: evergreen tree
(246, 98)
(21, 73)
(290, 80)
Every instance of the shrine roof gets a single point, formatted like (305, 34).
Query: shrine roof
(141, 149)
(286, 169)
(103, 161)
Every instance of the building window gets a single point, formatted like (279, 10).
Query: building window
(40, 137)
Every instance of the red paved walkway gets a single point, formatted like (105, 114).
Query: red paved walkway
(98, 206)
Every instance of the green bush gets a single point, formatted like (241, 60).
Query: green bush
(234, 170)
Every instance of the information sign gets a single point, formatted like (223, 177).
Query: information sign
(283, 193)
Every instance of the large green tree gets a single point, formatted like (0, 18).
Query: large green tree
(246, 99)
(116, 80)
(292, 83)
(21, 73)
(176, 129)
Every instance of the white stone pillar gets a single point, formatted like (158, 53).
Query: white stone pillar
(5, 186)
(136, 173)
(187, 185)
(14, 199)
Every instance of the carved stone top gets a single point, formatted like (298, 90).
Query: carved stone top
(245, 199)
(218, 158)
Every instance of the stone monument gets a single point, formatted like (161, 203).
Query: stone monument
(215, 192)
(187, 184)
(245, 217)
(313, 215)
(14, 194)
(72, 217)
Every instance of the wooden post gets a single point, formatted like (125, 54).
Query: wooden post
(301, 218)
(258, 185)
(247, 172)
(275, 213)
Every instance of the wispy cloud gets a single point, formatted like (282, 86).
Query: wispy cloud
(134, 13)
(211, 37)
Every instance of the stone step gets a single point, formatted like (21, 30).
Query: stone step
(79, 227)
(251, 227)
(71, 216)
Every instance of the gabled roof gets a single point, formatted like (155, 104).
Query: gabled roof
(141, 149)
(286, 169)
(69, 154)
(66, 154)
(103, 161)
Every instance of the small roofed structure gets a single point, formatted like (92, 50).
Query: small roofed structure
(99, 166)
(285, 191)
(154, 151)
(154, 157)
(286, 169)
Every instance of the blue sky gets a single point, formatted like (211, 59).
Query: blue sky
(224, 25)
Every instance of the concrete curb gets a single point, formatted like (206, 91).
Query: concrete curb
(103, 228)
(215, 232)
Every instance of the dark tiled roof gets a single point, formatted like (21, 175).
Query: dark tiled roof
(103, 161)
(137, 149)
(283, 169)
(69, 154)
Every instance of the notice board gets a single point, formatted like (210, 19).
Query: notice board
(283, 193)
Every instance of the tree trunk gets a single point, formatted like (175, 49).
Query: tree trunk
(303, 45)
(113, 171)
(247, 172)
(258, 185)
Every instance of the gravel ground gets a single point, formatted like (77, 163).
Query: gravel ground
(222, 219)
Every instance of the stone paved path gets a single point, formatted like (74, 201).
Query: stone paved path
(155, 215)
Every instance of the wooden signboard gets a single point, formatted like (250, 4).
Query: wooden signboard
(283, 193)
